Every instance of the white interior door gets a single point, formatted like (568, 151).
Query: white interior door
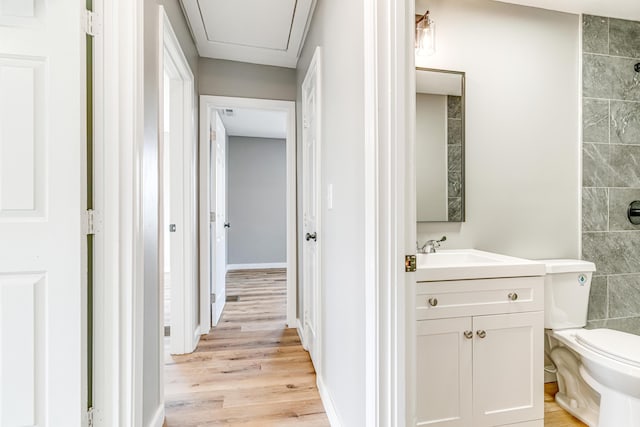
(41, 117)
(218, 151)
(311, 208)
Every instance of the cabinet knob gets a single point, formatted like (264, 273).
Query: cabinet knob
(481, 333)
(468, 334)
(512, 296)
(433, 302)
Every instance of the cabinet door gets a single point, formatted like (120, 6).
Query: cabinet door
(443, 373)
(508, 368)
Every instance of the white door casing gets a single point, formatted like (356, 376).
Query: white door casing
(208, 105)
(41, 182)
(185, 324)
(311, 208)
(219, 187)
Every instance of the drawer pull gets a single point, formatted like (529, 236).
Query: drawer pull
(433, 302)
(468, 334)
(512, 296)
(481, 333)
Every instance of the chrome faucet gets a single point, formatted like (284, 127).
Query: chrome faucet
(430, 246)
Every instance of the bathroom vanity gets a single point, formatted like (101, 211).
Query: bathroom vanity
(479, 340)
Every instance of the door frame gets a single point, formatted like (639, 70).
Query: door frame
(389, 193)
(184, 336)
(208, 104)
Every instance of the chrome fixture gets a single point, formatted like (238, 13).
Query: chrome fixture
(637, 67)
(430, 246)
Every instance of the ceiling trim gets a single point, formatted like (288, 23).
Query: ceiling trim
(621, 9)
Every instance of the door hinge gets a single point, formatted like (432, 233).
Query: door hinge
(92, 23)
(213, 298)
(90, 417)
(92, 223)
(409, 263)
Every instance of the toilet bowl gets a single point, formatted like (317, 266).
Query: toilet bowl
(598, 370)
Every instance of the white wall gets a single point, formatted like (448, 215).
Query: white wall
(338, 28)
(257, 200)
(522, 132)
(431, 156)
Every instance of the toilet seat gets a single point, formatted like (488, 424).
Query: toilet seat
(620, 346)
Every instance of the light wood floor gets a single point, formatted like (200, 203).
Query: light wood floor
(250, 370)
(554, 415)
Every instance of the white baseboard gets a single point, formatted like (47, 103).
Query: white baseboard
(300, 330)
(158, 419)
(256, 266)
(325, 396)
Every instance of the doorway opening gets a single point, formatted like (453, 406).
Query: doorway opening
(242, 227)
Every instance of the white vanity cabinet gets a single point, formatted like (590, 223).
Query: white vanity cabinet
(479, 353)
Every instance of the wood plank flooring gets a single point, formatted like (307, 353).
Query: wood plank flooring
(554, 415)
(250, 370)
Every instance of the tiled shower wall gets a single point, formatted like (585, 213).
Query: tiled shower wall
(454, 158)
(611, 169)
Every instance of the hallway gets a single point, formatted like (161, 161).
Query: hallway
(250, 370)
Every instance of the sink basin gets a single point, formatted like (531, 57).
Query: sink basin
(463, 264)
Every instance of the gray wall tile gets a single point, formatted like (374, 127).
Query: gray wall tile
(610, 77)
(595, 34)
(454, 184)
(624, 295)
(454, 107)
(595, 119)
(619, 199)
(598, 298)
(613, 253)
(596, 165)
(625, 122)
(595, 209)
(624, 38)
(455, 209)
(454, 157)
(626, 324)
(454, 131)
(624, 166)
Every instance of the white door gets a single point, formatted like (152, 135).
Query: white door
(443, 372)
(219, 270)
(311, 208)
(41, 137)
(508, 368)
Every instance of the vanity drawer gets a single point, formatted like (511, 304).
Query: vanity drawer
(436, 300)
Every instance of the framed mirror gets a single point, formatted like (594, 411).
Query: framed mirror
(440, 145)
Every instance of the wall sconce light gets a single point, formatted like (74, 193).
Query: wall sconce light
(425, 35)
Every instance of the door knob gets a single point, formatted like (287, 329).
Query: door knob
(227, 225)
(311, 236)
(482, 333)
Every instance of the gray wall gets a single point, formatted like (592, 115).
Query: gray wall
(239, 79)
(522, 137)
(611, 169)
(338, 28)
(153, 360)
(257, 196)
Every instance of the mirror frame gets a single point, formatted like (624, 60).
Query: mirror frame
(463, 112)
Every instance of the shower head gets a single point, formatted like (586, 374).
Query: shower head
(637, 67)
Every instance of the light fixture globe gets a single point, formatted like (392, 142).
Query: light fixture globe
(425, 35)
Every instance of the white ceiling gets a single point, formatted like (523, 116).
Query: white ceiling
(623, 9)
(269, 32)
(255, 123)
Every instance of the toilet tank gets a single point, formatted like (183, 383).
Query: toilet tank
(566, 292)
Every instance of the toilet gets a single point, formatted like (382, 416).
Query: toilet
(598, 370)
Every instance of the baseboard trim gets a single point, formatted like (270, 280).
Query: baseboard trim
(329, 408)
(300, 330)
(260, 266)
(158, 419)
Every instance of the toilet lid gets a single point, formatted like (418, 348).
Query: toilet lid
(617, 345)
